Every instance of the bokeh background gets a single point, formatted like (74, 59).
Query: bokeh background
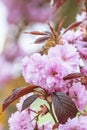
(16, 18)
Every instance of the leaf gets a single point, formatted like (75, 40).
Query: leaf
(73, 76)
(72, 26)
(52, 29)
(19, 92)
(42, 39)
(37, 33)
(64, 107)
(58, 3)
(61, 23)
(27, 102)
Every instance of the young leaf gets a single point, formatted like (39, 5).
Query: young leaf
(58, 3)
(72, 26)
(42, 39)
(37, 33)
(27, 102)
(61, 23)
(73, 76)
(52, 29)
(64, 107)
(19, 92)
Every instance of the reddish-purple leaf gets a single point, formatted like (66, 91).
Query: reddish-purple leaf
(61, 23)
(72, 26)
(52, 29)
(28, 101)
(64, 107)
(42, 39)
(58, 3)
(37, 33)
(73, 76)
(19, 92)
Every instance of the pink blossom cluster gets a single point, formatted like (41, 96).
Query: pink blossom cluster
(77, 123)
(20, 121)
(78, 36)
(28, 10)
(25, 120)
(79, 95)
(47, 71)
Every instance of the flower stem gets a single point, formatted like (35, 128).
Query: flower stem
(52, 113)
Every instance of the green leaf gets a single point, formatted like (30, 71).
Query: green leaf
(64, 107)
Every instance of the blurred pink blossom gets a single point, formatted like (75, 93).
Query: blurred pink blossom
(28, 10)
(12, 52)
(10, 62)
(6, 71)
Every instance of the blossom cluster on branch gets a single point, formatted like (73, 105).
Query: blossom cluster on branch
(28, 10)
(56, 98)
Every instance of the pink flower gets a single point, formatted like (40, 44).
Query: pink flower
(33, 68)
(83, 52)
(69, 36)
(78, 37)
(66, 54)
(79, 95)
(84, 70)
(46, 126)
(47, 71)
(77, 123)
(43, 71)
(70, 124)
(54, 73)
(20, 121)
